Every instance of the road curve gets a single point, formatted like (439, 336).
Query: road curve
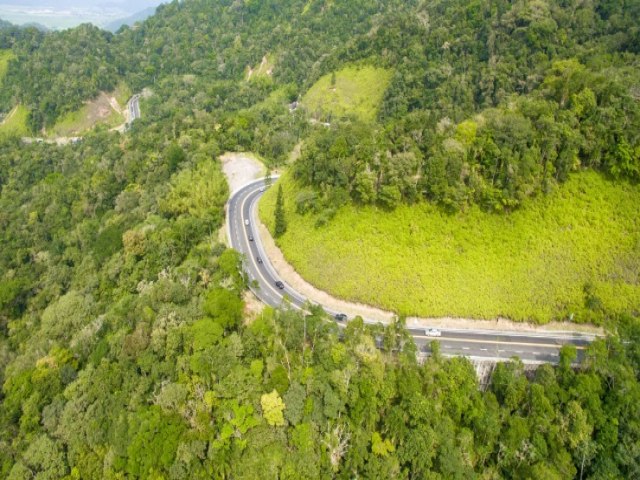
(538, 347)
(134, 107)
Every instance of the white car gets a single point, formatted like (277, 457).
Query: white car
(433, 332)
(246, 222)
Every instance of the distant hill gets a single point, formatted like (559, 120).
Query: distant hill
(63, 14)
(4, 25)
(136, 17)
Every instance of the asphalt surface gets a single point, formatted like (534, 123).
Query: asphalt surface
(134, 108)
(536, 347)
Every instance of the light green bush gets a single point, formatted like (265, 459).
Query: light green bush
(533, 264)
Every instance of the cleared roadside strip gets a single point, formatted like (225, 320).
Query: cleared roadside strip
(242, 205)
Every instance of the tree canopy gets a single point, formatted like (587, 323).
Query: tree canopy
(127, 346)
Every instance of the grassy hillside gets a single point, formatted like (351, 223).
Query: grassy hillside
(353, 90)
(577, 247)
(15, 124)
(5, 56)
(97, 112)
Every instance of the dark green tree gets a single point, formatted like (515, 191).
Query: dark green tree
(281, 222)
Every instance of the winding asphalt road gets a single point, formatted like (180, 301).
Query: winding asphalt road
(134, 108)
(538, 347)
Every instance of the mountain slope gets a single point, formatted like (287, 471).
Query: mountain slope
(129, 344)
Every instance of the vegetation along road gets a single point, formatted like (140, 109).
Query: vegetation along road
(530, 347)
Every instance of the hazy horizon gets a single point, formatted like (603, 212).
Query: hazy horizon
(60, 14)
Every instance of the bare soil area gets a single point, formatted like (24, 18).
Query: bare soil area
(241, 168)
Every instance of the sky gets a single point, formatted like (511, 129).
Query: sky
(57, 14)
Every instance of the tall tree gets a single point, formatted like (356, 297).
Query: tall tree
(281, 222)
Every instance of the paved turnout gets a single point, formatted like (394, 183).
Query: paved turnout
(535, 347)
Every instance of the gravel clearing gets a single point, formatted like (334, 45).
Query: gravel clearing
(241, 168)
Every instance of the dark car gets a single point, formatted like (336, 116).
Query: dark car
(280, 285)
(340, 317)
(250, 238)
(258, 259)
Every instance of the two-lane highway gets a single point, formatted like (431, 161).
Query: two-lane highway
(480, 344)
(134, 107)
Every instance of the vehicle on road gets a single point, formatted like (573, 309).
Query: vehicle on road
(340, 317)
(250, 238)
(262, 189)
(259, 260)
(433, 332)
(246, 222)
(280, 285)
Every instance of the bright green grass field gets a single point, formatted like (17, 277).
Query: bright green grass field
(532, 264)
(357, 91)
(16, 123)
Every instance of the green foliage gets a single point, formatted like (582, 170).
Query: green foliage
(200, 192)
(99, 111)
(379, 446)
(280, 222)
(272, 407)
(5, 57)
(153, 442)
(43, 459)
(532, 264)
(225, 307)
(61, 89)
(110, 250)
(351, 91)
(15, 123)
(10, 293)
(205, 332)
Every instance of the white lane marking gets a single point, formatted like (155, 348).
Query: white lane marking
(498, 342)
(266, 294)
(267, 283)
(291, 294)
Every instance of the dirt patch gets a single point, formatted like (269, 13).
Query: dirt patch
(100, 108)
(241, 168)
(264, 69)
(252, 306)
(115, 105)
(291, 277)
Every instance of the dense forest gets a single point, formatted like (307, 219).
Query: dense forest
(127, 349)
(490, 102)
